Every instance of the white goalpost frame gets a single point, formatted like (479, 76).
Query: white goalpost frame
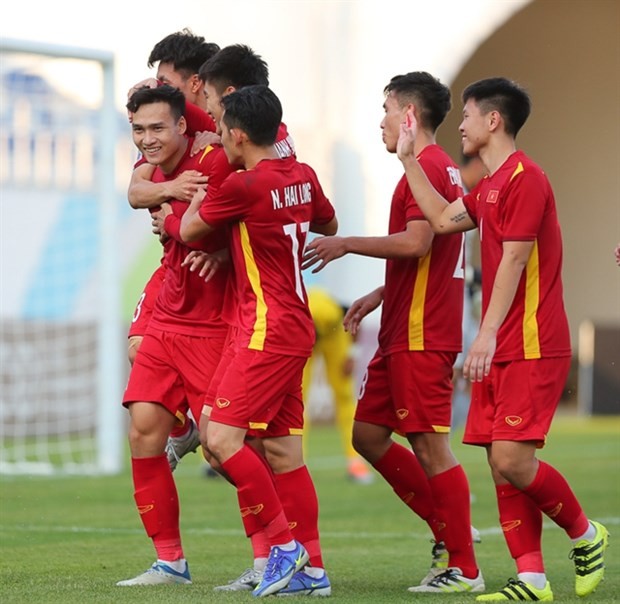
(109, 420)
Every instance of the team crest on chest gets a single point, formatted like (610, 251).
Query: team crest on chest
(492, 196)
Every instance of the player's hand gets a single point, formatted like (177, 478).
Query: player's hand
(206, 264)
(407, 137)
(322, 251)
(146, 83)
(617, 254)
(202, 140)
(480, 355)
(158, 219)
(186, 184)
(360, 308)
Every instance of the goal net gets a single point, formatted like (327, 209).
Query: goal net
(60, 332)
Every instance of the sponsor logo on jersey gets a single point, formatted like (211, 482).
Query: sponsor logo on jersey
(252, 509)
(513, 420)
(402, 413)
(556, 510)
(509, 525)
(493, 196)
(143, 509)
(222, 402)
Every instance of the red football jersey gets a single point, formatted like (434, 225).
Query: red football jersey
(186, 304)
(285, 147)
(271, 208)
(423, 297)
(517, 203)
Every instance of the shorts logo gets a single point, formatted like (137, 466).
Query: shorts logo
(222, 402)
(555, 511)
(492, 196)
(408, 497)
(441, 526)
(292, 525)
(143, 509)
(402, 413)
(253, 509)
(509, 525)
(513, 420)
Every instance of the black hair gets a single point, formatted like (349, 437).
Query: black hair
(430, 96)
(505, 96)
(238, 66)
(186, 51)
(256, 110)
(162, 94)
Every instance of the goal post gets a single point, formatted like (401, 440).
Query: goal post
(60, 325)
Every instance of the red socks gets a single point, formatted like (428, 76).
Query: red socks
(521, 521)
(553, 496)
(301, 506)
(158, 504)
(450, 492)
(257, 496)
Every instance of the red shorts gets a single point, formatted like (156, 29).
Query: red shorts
(171, 368)
(516, 401)
(409, 391)
(146, 303)
(259, 391)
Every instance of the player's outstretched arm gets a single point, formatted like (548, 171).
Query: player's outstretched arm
(360, 308)
(413, 242)
(443, 216)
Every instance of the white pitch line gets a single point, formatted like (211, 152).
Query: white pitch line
(485, 532)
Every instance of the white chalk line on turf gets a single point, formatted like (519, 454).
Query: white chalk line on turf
(33, 528)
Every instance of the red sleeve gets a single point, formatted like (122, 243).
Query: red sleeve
(470, 203)
(197, 119)
(172, 226)
(228, 204)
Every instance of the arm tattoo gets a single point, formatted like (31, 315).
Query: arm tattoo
(459, 217)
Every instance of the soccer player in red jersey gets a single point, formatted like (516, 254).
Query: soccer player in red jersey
(520, 358)
(185, 335)
(178, 57)
(232, 68)
(407, 387)
(270, 207)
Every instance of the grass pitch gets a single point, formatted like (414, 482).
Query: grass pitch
(70, 539)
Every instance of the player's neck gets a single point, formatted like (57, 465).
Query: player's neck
(423, 140)
(252, 155)
(496, 152)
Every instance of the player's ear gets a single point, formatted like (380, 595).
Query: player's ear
(196, 83)
(182, 125)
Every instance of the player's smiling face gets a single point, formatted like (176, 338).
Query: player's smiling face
(474, 128)
(158, 135)
(214, 104)
(393, 118)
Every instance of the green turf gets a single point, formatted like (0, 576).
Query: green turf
(69, 540)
